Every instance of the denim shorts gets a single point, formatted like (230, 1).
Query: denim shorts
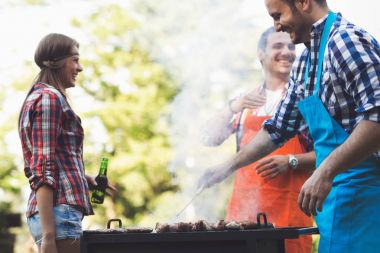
(68, 223)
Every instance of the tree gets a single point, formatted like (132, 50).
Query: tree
(128, 116)
(12, 179)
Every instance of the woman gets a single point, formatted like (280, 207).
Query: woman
(52, 139)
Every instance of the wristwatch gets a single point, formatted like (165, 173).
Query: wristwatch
(293, 162)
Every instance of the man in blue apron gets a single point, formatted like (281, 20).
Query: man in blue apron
(334, 91)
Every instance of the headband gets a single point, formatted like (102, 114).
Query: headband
(52, 64)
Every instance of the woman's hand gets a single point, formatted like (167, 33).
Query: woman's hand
(273, 166)
(111, 189)
(48, 244)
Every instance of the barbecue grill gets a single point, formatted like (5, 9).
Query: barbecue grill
(265, 239)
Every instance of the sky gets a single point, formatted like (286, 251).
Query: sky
(23, 26)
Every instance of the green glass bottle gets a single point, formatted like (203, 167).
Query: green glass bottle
(102, 181)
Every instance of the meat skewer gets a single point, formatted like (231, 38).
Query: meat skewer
(199, 191)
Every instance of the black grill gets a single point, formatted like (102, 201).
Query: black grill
(261, 240)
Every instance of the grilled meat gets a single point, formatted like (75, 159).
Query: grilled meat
(184, 227)
(162, 227)
(249, 225)
(202, 225)
(219, 225)
(233, 225)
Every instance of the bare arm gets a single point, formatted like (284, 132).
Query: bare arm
(306, 161)
(276, 165)
(44, 197)
(363, 141)
(220, 127)
(257, 148)
(46, 127)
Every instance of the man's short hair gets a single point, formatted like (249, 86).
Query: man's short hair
(263, 41)
(291, 3)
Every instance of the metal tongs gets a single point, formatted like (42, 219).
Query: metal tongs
(197, 193)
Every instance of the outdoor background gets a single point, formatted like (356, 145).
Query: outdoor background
(154, 72)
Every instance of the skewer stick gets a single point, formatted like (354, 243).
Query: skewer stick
(199, 191)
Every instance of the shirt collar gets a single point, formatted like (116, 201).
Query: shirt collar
(317, 28)
(41, 85)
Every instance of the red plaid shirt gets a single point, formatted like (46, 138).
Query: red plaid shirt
(52, 143)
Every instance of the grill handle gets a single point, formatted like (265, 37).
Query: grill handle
(111, 220)
(259, 215)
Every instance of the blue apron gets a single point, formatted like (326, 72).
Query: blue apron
(349, 221)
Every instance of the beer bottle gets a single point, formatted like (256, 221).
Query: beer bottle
(102, 181)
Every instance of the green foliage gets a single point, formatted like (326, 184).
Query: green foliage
(10, 175)
(35, 2)
(130, 93)
(12, 179)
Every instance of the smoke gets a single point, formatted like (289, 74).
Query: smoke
(209, 47)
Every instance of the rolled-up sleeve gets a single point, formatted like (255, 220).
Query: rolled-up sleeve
(286, 122)
(358, 68)
(45, 128)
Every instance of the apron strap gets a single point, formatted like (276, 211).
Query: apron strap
(322, 47)
(307, 71)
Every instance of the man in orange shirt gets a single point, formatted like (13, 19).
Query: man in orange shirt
(272, 184)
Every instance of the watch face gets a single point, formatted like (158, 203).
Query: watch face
(293, 162)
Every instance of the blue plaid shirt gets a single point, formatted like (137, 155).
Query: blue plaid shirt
(350, 82)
